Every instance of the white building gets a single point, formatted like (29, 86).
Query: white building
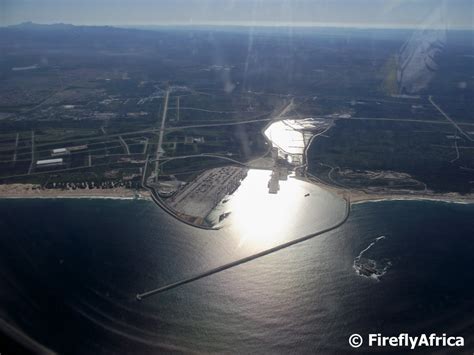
(49, 162)
(59, 151)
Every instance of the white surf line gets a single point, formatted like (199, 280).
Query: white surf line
(356, 264)
(370, 246)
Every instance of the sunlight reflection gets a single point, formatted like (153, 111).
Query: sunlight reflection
(286, 136)
(259, 219)
(262, 220)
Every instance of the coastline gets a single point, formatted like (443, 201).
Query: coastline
(358, 196)
(31, 191)
(27, 191)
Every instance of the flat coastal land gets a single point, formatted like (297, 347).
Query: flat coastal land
(35, 191)
(360, 196)
(356, 196)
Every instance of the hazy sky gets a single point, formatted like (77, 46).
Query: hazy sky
(359, 13)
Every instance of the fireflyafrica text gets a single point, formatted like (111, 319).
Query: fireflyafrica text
(424, 340)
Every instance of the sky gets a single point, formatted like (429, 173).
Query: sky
(345, 13)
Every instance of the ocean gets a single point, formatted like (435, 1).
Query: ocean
(70, 271)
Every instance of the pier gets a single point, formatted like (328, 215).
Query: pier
(141, 296)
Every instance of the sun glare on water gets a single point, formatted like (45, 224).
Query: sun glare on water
(261, 219)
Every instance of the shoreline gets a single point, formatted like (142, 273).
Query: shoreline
(361, 196)
(357, 196)
(30, 191)
(430, 198)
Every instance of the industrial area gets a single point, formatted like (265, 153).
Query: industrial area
(198, 198)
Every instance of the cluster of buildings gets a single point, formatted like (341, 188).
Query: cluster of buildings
(58, 152)
(279, 173)
(64, 151)
(200, 196)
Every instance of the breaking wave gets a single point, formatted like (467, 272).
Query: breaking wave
(371, 268)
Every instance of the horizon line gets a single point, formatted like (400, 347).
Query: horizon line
(301, 25)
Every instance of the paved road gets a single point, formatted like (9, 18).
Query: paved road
(456, 148)
(202, 110)
(16, 146)
(63, 170)
(159, 149)
(406, 120)
(203, 155)
(450, 119)
(178, 99)
(148, 130)
(124, 145)
(32, 152)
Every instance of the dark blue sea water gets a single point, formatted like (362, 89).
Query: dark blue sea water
(70, 270)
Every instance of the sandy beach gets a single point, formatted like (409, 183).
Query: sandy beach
(35, 191)
(356, 196)
(360, 196)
